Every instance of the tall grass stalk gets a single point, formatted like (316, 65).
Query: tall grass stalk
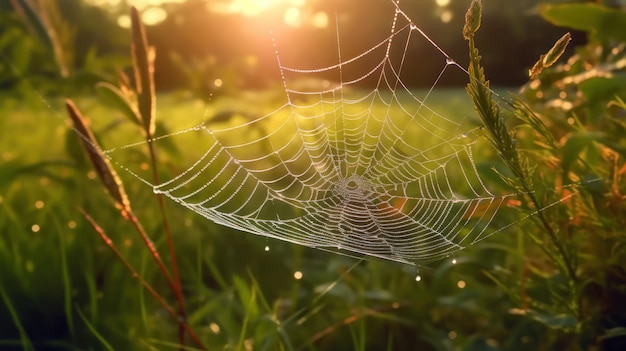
(143, 63)
(504, 140)
(144, 113)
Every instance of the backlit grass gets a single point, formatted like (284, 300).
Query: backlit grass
(68, 290)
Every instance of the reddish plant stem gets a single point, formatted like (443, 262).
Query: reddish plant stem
(143, 283)
(150, 245)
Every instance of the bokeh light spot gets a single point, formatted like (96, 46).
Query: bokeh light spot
(446, 16)
(320, 20)
(293, 17)
(214, 328)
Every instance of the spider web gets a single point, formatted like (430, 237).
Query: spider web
(374, 172)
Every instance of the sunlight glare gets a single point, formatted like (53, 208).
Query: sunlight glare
(291, 9)
(150, 10)
(248, 8)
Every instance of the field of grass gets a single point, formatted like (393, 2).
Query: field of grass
(64, 289)
(553, 280)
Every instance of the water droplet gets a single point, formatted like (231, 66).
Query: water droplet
(413, 26)
(464, 135)
(454, 261)
(450, 61)
(267, 248)
(418, 278)
(209, 131)
(397, 10)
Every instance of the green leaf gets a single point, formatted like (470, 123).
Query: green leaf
(615, 332)
(554, 321)
(114, 97)
(601, 21)
(480, 344)
(600, 89)
(572, 149)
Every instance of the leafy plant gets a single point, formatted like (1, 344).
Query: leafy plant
(566, 291)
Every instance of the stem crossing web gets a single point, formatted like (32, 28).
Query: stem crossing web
(359, 163)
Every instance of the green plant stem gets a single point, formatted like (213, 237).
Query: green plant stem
(177, 286)
(138, 277)
(569, 266)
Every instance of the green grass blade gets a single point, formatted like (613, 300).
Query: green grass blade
(34, 22)
(67, 284)
(93, 330)
(25, 340)
(250, 309)
(142, 299)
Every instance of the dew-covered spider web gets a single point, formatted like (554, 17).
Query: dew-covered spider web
(353, 161)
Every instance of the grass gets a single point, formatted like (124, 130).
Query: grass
(67, 290)
(555, 280)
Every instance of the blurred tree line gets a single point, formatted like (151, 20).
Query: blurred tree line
(197, 47)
